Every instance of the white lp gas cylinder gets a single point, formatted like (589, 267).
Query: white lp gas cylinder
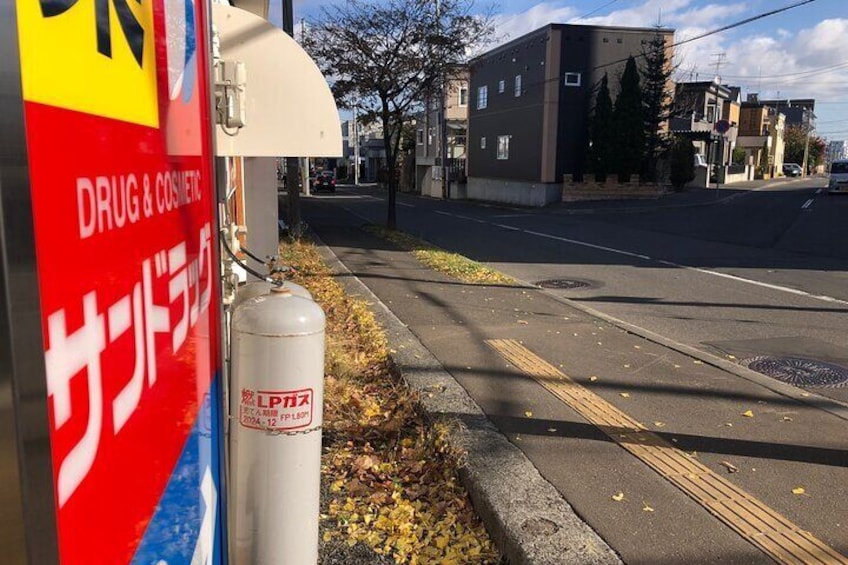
(276, 403)
(258, 288)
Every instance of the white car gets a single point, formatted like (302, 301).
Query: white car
(838, 176)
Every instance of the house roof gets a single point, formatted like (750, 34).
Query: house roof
(544, 30)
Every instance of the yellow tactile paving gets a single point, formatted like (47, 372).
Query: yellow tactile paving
(771, 532)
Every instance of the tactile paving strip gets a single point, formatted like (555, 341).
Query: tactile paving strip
(771, 532)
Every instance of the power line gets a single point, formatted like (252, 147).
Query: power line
(596, 10)
(718, 30)
(837, 66)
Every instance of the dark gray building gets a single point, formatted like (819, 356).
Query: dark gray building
(798, 112)
(529, 105)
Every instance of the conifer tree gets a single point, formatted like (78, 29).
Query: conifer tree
(628, 117)
(601, 131)
(656, 81)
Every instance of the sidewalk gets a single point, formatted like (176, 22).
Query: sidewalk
(562, 481)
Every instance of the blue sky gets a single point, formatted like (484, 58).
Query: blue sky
(800, 53)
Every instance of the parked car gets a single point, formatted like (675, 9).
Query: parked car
(792, 169)
(838, 181)
(325, 180)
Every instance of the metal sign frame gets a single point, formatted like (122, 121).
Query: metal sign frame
(24, 424)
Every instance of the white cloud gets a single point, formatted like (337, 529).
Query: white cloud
(511, 26)
(703, 16)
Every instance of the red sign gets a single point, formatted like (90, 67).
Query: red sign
(118, 141)
(276, 410)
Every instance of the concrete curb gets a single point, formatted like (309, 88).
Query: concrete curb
(529, 520)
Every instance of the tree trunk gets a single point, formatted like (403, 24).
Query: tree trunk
(391, 183)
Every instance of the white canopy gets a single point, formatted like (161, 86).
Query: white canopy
(290, 110)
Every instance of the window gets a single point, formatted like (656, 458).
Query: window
(572, 79)
(483, 142)
(501, 86)
(430, 133)
(419, 137)
(518, 85)
(503, 147)
(463, 96)
(482, 97)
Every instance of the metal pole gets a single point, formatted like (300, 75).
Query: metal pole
(292, 163)
(443, 129)
(355, 147)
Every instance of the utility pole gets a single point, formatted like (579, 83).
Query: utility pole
(292, 163)
(808, 118)
(355, 146)
(443, 122)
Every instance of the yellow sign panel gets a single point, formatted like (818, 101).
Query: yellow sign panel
(92, 56)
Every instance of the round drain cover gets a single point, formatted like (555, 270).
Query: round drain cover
(800, 372)
(562, 284)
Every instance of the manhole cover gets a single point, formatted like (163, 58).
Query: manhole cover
(566, 284)
(800, 372)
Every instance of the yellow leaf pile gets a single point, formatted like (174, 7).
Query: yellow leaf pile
(392, 475)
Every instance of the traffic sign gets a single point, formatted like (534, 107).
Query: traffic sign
(722, 126)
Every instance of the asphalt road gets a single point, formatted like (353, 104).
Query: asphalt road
(742, 277)
(762, 273)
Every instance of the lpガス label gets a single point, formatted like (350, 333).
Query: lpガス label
(276, 410)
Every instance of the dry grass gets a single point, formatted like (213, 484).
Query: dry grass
(393, 476)
(451, 264)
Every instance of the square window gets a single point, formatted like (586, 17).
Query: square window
(483, 142)
(501, 86)
(482, 97)
(518, 85)
(572, 79)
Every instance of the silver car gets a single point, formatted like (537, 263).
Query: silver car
(838, 176)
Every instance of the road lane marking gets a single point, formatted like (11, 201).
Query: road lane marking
(478, 220)
(755, 522)
(585, 244)
(679, 266)
(404, 204)
(807, 204)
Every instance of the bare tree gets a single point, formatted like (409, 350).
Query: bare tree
(382, 56)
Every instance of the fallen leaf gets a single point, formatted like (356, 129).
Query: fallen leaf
(529, 414)
(659, 424)
(698, 362)
(593, 378)
(627, 365)
(552, 430)
(618, 497)
(748, 414)
(646, 507)
(731, 356)
(523, 322)
(637, 347)
(625, 394)
(798, 490)
(731, 468)
(729, 425)
(787, 419)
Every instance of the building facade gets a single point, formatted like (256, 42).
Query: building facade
(429, 140)
(530, 102)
